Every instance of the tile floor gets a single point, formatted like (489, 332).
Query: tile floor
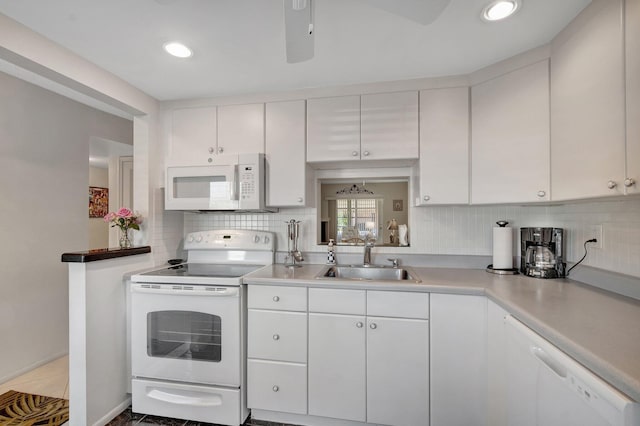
(52, 379)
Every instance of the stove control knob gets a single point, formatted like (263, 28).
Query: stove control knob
(199, 239)
(256, 238)
(190, 238)
(266, 239)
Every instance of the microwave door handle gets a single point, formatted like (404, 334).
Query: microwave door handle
(234, 184)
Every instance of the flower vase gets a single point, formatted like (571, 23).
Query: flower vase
(125, 242)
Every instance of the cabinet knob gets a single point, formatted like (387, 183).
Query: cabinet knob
(366, 153)
(611, 184)
(211, 150)
(276, 298)
(220, 150)
(276, 337)
(373, 326)
(359, 324)
(354, 153)
(541, 194)
(209, 159)
(275, 388)
(426, 198)
(629, 182)
(299, 199)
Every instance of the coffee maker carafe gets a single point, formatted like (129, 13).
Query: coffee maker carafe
(542, 252)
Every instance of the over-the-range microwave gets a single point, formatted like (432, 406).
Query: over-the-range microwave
(231, 182)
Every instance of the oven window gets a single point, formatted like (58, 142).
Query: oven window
(184, 335)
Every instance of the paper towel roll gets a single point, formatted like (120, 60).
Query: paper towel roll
(502, 248)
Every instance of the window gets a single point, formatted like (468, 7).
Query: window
(357, 218)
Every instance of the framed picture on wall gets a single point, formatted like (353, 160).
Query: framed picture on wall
(398, 205)
(98, 201)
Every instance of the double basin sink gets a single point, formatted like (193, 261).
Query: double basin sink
(368, 273)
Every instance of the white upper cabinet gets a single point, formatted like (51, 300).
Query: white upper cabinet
(632, 26)
(369, 127)
(389, 126)
(288, 183)
(588, 105)
(193, 136)
(510, 137)
(444, 146)
(333, 129)
(241, 129)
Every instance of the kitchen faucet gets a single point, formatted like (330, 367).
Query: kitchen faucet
(368, 243)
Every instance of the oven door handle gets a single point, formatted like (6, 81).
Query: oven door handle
(189, 291)
(206, 400)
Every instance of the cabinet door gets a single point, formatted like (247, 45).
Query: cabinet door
(632, 42)
(241, 129)
(285, 154)
(389, 126)
(458, 360)
(444, 146)
(510, 137)
(333, 129)
(337, 382)
(398, 371)
(277, 335)
(587, 105)
(496, 361)
(192, 139)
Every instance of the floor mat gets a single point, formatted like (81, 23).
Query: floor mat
(25, 409)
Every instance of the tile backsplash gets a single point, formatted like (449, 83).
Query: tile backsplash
(467, 230)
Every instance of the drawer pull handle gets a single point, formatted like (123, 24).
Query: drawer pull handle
(373, 325)
(359, 324)
(276, 337)
(611, 184)
(276, 299)
(275, 388)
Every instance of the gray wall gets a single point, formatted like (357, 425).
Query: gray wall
(44, 175)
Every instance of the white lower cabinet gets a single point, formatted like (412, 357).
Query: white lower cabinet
(277, 386)
(277, 349)
(369, 368)
(397, 371)
(337, 369)
(458, 360)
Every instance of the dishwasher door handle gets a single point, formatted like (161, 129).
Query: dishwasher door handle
(547, 360)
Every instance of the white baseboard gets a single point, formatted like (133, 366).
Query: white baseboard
(31, 367)
(114, 412)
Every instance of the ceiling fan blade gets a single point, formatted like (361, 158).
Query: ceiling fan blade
(298, 30)
(422, 11)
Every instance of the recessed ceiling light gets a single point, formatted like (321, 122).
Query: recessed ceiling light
(177, 49)
(500, 9)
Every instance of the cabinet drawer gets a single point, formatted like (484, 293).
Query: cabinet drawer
(398, 304)
(331, 301)
(277, 298)
(280, 336)
(277, 386)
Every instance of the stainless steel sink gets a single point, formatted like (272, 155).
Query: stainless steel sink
(369, 273)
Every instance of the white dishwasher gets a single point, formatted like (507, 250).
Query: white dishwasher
(545, 387)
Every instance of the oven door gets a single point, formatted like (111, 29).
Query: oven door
(186, 333)
(202, 188)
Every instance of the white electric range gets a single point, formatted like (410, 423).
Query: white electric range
(188, 329)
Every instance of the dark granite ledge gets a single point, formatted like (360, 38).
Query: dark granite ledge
(103, 254)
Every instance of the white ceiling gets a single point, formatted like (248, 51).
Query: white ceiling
(239, 44)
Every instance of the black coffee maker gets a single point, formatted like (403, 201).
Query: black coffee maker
(542, 252)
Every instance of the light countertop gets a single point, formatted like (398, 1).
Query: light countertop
(599, 329)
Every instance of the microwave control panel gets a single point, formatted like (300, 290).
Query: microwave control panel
(249, 182)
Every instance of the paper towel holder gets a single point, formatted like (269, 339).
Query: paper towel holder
(509, 271)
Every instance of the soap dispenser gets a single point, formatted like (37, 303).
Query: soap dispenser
(331, 255)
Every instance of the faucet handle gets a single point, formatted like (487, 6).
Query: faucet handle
(395, 262)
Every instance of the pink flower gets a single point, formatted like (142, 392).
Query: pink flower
(109, 217)
(124, 212)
